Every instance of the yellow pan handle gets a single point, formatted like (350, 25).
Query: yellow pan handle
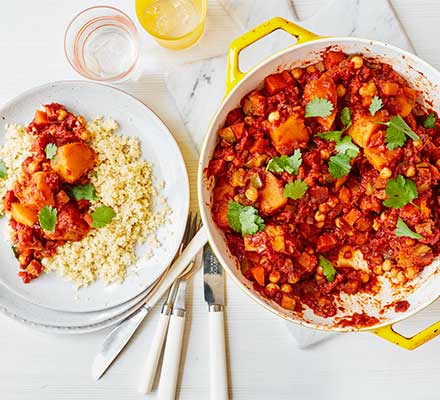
(233, 73)
(411, 343)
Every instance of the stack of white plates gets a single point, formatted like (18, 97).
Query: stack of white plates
(52, 304)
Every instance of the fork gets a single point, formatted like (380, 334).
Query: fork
(173, 348)
(150, 367)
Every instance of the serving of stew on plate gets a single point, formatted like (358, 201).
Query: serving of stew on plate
(326, 179)
(49, 203)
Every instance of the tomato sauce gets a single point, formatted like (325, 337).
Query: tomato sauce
(59, 161)
(337, 216)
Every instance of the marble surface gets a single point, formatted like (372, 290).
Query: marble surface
(264, 362)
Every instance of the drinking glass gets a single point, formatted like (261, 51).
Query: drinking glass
(175, 24)
(101, 43)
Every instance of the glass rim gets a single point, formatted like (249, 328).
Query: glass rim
(177, 38)
(118, 77)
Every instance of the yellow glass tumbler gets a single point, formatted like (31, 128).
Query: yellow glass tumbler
(175, 24)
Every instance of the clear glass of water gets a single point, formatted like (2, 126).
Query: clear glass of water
(101, 43)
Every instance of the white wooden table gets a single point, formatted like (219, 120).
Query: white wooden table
(264, 361)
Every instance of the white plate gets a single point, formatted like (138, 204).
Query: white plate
(60, 322)
(158, 147)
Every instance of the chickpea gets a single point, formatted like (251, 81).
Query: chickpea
(297, 73)
(248, 120)
(400, 278)
(325, 154)
(251, 194)
(385, 173)
(332, 201)
(417, 144)
(319, 217)
(411, 171)
(394, 272)
(377, 270)
(324, 208)
(272, 287)
(229, 158)
(273, 116)
(320, 224)
(81, 120)
(274, 276)
(387, 265)
(409, 241)
(365, 277)
(62, 114)
(311, 69)
(368, 90)
(410, 272)
(320, 66)
(320, 270)
(286, 288)
(341, 90)
(238, 178)
(376, 225)
(288, 303)
(357, 62)
(338, 223)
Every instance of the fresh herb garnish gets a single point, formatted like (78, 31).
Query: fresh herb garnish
(376, 105)
(347, 147)
(84, 192)
(295, 190)
(339, 165)
(429, 121)
(402, 229)
(286, 163)
(400, 191)
(51, 151)
(102, 216)
(3, 169)
(346, 117)
(14, 249)
(331, 136)
(318, 107)
(328, 268)
(397, 132)
(244, 219)
(47, 217)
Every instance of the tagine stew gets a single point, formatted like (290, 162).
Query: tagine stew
(49, 203)
(322, 164)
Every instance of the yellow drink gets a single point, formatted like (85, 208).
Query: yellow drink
(175, 24)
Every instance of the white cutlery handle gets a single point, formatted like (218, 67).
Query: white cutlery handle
(150, 367)
(218, 377)
(171, 357)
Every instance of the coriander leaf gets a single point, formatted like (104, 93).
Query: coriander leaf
(400, 191)
(328, 268)
(347, 147)
(402, 229)
(286, 163)
(47, 217)
(339, 165)
(397, 132)
(234, 210)
(51, 151)
(244, 219)
(376, 105)
(346, 117)
(331, 136)
(84, 192)
(295, 190)
(429, 121)
(318, 107)
(3, 169)
(102, 216)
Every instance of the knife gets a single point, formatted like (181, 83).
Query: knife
(122, 333)
(214, 296)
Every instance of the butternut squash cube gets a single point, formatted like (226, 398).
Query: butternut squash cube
(379, 158)
(37, 193)
(364, 125)
(73, 160)
(289, 135)
(323, 88)
(23, 215)
(276, 236)
(271, 195)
